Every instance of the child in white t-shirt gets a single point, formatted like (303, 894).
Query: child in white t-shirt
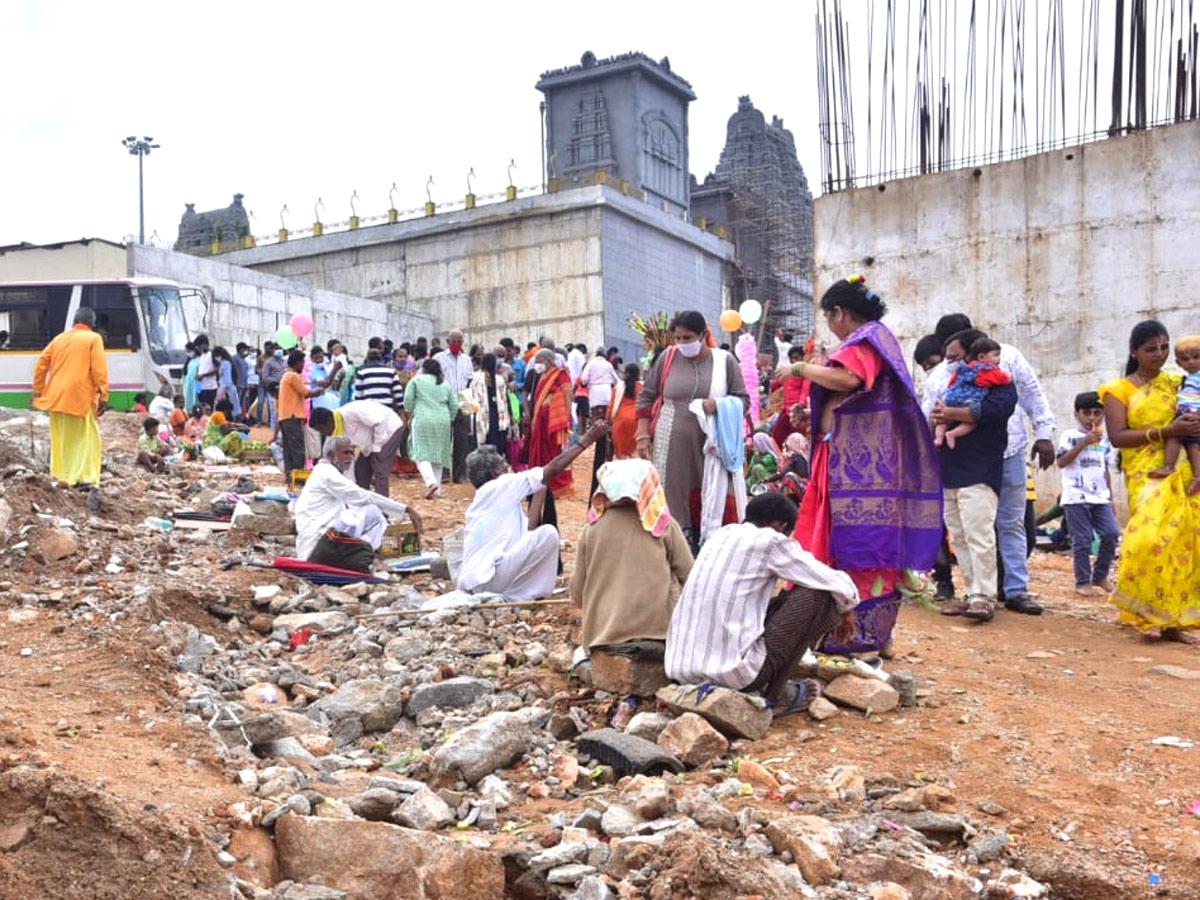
(1083, 456)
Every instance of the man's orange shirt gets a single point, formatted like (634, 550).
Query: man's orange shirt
(71, 374)
(292, 394)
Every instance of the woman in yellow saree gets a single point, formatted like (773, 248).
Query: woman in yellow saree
(1160, 551)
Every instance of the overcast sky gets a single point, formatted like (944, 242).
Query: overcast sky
(288, 102)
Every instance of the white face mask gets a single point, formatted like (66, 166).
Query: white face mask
(690, 349)
(539, 368)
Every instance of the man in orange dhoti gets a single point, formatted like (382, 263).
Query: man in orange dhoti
(70, 382)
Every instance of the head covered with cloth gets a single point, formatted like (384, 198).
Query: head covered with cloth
(632, 481)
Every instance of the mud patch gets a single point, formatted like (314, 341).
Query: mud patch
(65, 839)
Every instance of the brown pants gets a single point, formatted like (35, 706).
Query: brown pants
(796, 621)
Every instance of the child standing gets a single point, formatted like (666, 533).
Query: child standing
(1187, 355)
(971, 381)
(1083, 455)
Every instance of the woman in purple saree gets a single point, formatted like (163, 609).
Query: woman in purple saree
(874, 504)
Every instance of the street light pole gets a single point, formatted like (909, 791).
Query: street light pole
(140, 147)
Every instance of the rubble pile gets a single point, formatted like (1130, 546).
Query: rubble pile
(390, 741)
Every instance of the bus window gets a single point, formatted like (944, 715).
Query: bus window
(166, 330)
(33, 316)
(116, 317)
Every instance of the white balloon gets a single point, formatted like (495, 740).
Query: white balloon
(750, 311)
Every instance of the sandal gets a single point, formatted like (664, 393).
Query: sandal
(980, 610)
(806, 691)
(954, 609)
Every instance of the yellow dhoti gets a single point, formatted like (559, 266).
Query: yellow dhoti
(75, 448)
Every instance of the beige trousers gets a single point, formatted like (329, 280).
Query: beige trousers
(971, 517)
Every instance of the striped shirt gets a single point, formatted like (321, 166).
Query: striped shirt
(716, 631)
(457, 370)
(378, 382)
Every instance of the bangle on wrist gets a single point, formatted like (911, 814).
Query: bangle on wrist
(798, 368)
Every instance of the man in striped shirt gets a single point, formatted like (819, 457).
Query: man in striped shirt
(376, 380)
(729, 626)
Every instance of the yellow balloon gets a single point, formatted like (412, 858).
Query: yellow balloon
(731, 320)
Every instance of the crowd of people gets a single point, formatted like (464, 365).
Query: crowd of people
(847, 481)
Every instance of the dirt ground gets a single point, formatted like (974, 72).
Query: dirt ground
(1050, 718)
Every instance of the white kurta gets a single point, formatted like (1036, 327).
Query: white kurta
(326, 496)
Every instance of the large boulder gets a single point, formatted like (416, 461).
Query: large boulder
(925, 875)
(733, 713)
(452, 693)
(862, 693)
(623, 676)
(693, 741)
(492, 743)
(813, 842)
(376, 704)
(378, 861)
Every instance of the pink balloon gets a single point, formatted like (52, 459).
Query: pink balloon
(302, 324)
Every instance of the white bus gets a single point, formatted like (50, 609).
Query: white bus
(140, 319)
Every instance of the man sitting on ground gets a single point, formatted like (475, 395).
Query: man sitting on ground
(374, 429)
(505, 552)
(728, 629)
(631, 560)
(337, 522)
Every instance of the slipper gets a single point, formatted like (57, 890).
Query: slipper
(807, 690)
(980, 610)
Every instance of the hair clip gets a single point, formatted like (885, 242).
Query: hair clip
(871, 295)
(856, 278)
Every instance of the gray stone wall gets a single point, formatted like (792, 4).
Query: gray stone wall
(247, 305)
(646, 271)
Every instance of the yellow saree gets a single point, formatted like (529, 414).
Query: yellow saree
(1160, 551)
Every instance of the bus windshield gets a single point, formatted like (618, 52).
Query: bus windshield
(166, 329)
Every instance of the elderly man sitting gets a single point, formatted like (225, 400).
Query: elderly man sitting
(375, 430)
(339, 523)
(504, 552)
(728, 629)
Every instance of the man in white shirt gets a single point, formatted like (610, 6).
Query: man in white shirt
(163, 404)
(457, 369)
(337, 522)
(1031, 399)
(598, 379)
(504, 551)
(375, 431)
(729, 629)
(206, 373)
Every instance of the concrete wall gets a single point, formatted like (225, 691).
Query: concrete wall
(69, 260)
(550, 264)
(245, 305)
(646, 271)
(1059, 254)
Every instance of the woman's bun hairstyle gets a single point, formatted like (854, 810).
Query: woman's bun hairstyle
(853, 295)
